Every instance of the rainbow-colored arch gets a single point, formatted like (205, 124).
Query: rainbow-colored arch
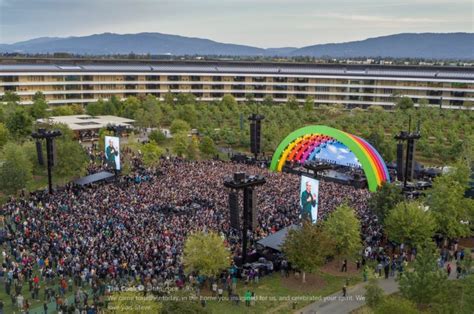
(302, 145)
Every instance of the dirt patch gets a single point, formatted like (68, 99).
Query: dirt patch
(334, 268)
(467, 242)
(313, 282)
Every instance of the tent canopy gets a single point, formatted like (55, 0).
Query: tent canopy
(276, 240)
(96, 177)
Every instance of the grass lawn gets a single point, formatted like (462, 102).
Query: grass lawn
(275, 295)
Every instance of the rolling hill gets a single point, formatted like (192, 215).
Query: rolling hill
(407, 45)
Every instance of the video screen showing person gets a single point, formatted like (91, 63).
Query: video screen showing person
(309, 192)
(112, 152)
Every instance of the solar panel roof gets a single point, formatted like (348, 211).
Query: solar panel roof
(249, 68)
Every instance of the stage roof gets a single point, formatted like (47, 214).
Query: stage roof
(86, 122)
(96, 177)
(276, 240)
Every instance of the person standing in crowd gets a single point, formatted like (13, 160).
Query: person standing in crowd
(386, 269)
(344, 266)
(365, 273)
(248, 297)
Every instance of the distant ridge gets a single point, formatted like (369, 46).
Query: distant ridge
(407, 45)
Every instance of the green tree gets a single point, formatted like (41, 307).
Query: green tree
(130, 107)
(77, 108)
(95, 108)
(15, 169)
(378, 139)
(157, 136)
(449, 206)
(64, 110)
(385, 199)
(110, 108)
(205, 253)
(168, 98)
(463, 302)
(11, 97)
(427, 280)
(267, 101)
(376, 108)
(410, 223)
(249, 99)
(152, 107)
(151, 153)
(4, 135)
(193, 149)
(188, 113)
(143, 119)
(373, 294)
(180, 144)
(404, 103)
(309, 104)
(185, 99)
(39, 108)
(292, 103)
(71, 157)
(179, 126)
(343, 227)
(19, 123)
(228, 102)
(308, 247)
(207, 147)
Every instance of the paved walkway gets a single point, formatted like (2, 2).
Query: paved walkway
(355, 298)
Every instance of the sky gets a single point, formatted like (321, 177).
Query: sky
(261, 23)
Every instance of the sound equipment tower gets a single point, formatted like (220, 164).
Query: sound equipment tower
(240, 181)
(251, 198)
(255, 133)
(50, 151)
(400, 170)
(410, 165)
(39, 153)
(406, 171)
(234, 210)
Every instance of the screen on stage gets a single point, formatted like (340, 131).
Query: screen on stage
(309, 192)
(112, 152)
(336, 153)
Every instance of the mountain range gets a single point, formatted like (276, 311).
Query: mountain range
(406, 45)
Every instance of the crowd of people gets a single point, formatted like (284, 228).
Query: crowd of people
(134, 230)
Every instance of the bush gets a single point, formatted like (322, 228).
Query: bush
(396, 305)
(157, 136)
(373, 294)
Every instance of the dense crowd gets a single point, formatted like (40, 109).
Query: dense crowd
(134, 229)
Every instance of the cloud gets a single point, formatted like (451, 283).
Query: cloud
(261, 23)
(379, 19)
(332, 149)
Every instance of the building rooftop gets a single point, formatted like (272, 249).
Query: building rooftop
(86, 122)
(233, 67)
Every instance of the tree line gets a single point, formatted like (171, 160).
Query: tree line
(446, 134)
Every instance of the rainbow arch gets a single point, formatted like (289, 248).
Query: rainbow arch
(303, 144)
